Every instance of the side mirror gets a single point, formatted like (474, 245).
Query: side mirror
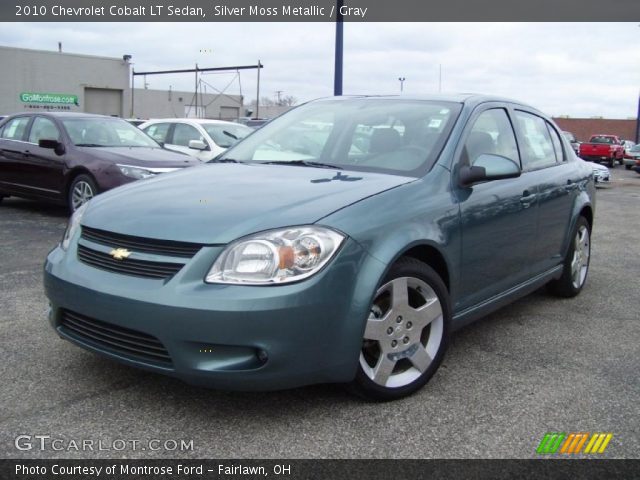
(488, 167)
(197, 145)
(54, 145)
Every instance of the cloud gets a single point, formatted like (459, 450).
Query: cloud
(563, 69)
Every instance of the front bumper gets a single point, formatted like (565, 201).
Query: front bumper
(226, 336)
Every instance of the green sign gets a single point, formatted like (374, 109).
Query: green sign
(51, 98)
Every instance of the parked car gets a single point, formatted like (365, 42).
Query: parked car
(631, 156)
(603, 148)
(256, 123)
(601, 174)
(350, 264)
(68, 158)
(136, 122)
(203, 139)
(575, 144)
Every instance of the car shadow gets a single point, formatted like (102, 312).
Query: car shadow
(34, 207)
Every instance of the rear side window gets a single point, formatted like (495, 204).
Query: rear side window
(537, 149)
(491, 133)
(15, 129)
(557, 143)
(158, 131)
(43, 128)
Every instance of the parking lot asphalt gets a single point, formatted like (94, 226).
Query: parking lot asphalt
(539, 365)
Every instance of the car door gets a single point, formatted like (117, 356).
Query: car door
(42, 166)
(12, 153)
(544, 159)
(182, 134)
(497, 218)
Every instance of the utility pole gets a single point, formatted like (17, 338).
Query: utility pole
(402, 79)
(440, 80)
(133, 88)
(196, 93)
(337, 79)
(638, 123)
(258, 93)
(279, 95)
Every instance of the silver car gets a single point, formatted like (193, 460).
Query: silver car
(631, 156)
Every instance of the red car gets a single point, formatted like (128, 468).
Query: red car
(603, 148)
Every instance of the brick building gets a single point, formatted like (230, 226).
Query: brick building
(583, 128)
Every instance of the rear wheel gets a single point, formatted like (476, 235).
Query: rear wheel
(82, 189)
(628, 167)
(576, 264)
(612, 162)
(406, 333)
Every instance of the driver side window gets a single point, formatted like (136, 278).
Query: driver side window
(491, 133)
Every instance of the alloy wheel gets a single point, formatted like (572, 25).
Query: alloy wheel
(403, 333)
(581, 253)
(82, 193)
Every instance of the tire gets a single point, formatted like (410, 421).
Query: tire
(395, 328)
(576, 267)
(628, 167)
(82, 189)
(612, 163)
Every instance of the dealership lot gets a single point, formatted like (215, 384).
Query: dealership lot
(539, 365)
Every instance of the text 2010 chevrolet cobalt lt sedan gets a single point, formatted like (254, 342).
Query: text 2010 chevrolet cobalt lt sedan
(342, 242)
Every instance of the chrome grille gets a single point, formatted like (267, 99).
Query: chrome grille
(123, 341)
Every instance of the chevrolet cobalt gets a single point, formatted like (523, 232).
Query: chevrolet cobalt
(342, 242)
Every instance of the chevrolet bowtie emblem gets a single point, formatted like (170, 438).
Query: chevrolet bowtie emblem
(120, 253)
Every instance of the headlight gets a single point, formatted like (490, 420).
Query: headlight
(72, 227)
(276, 257)
(135, 172)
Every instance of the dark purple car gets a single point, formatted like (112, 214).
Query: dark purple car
(68, 158)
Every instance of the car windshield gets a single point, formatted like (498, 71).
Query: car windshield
(569, 136)
(106, 132)
(602, 139)
(226, 135)
(395, 136)
(635, 148)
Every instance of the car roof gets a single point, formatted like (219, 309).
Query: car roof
(470, 99)
(192, 120)
(64, 115)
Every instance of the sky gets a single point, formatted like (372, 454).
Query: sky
(574, 69)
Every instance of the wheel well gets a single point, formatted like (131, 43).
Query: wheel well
(73, 174)
(432, 257)
(587, 213)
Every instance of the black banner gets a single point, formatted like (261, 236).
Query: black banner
(317, 10)
(317, 469)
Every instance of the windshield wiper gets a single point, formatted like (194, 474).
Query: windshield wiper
(229, 134)
(90, 145)
(303, 163)
(225, 160)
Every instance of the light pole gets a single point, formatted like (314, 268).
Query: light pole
(401, 79)
(337, 79)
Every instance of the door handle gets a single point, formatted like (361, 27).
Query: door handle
(527, 198)
(26, 153)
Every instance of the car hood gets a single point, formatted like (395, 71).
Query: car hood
(141, 156)
(217, 203)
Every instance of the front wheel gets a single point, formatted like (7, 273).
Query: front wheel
(406, 334)
(576, 264)
(612, 162)
(82, 189)
(628, 167)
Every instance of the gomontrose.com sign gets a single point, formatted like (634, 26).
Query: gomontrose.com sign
(51, 98)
